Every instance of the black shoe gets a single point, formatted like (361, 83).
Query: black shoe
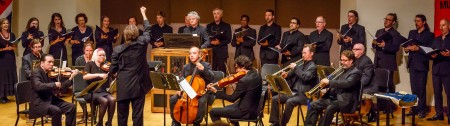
(3, 101)
(423, 114)
(436, 117)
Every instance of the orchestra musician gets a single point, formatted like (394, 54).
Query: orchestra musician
(79, 33)
(43, 101)
(365, 65)
(105, 37)
(354, 33)
(220, 36)
(292, 43)
(8, 72)
(27, 60)
(342, 95)
(31, 32)
(159, 29)
(205, 72)
(418, 63)
(302, 78)
(97, 70)
(129, 64)
(88, 49)
(56, 29)
(248, 92)
(242, 41)
(441, 69)
(267, 55)
(324, 40)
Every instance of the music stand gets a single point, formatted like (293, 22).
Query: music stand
(166, 82)
(97, 85)
(279, 85)
(183, 40)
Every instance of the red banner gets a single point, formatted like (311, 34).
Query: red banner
(441, 10)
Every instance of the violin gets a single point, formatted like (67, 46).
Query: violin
(229, 80)
(105, 66)
(65, 72)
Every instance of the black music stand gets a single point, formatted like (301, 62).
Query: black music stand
(279, 85)
(166, 82)
(95, 86)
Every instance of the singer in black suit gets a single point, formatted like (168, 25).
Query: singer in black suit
(267, 55)
(219, 43)
(245, 40)
(357, 34)
(159, 29)
(342, 96)
(43, 101)
(302, 78)
(291, 45)
(418, 63)
(323, 39)
(441, 69)
(133, 82)
(248, 92)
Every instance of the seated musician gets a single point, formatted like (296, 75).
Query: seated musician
(205, 72)
(302, 78)
(248, 91)
(27, 60)
(43, 101)
(342, 95)
(97, 70)
(365, 65)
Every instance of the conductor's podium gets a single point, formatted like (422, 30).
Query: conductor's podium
(174, 59)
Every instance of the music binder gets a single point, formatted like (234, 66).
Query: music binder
(96, 85)
(384, 37)
(15, 42)
(430, 51)
(267, 37)
(410, 42)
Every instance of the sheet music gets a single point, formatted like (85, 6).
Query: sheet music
(427, 49)
(64, 64)
(184, 84)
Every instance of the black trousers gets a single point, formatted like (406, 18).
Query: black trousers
(438, 81)
(316, 107)
(57, 108)
(123, 107)
(418, 80)
(219, 64)
(200, 112)
(230, 111)
(290, 102)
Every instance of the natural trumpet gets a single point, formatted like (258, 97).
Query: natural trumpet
(336, 73)
(287, 68)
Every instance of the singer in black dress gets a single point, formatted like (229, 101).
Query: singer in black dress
(105, 37)
(55, 30)
(8, 75)
(79, 32)
(31, 32)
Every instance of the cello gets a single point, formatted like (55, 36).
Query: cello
(185, 110)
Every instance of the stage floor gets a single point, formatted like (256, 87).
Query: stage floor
(8, 115)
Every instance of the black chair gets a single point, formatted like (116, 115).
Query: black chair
(78, 85)
(268, 69)
(23, 94)
(260, 109)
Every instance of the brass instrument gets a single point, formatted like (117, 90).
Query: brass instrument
(336, 73)
(287, 68)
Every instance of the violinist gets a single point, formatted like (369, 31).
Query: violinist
(302, 78)
(248, 90)
(205, 72)
(27, 60)
(83, 59)
(101, 97)
(43, 100)
(31, 32)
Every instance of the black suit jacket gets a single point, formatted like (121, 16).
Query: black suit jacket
(418, 60)
(303, 78)
(441, 64)
(221, 50)
(130, 64)
(42, 92)
(248, 90)
(385, 58)
(365, 65)
(346, 87)
(358, 36)
(246, 47)
(206, 73)
(295, 41)
(265, 52)
(181, 29)
(324, 41)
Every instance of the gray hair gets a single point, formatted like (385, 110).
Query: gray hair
(194, 14)
(131, 32)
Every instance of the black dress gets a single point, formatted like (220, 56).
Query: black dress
(77, 49)
(55, 49)
(106, 44)
(26, 42)
(8, 73)
(92, 68)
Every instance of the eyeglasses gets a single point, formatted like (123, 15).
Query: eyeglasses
(356, 49)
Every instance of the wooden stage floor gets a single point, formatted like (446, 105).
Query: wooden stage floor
(8, 115)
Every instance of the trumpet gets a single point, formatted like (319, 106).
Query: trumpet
(287, 68)
(336, 73)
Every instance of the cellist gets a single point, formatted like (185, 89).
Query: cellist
(205, 72)
(248, 90)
